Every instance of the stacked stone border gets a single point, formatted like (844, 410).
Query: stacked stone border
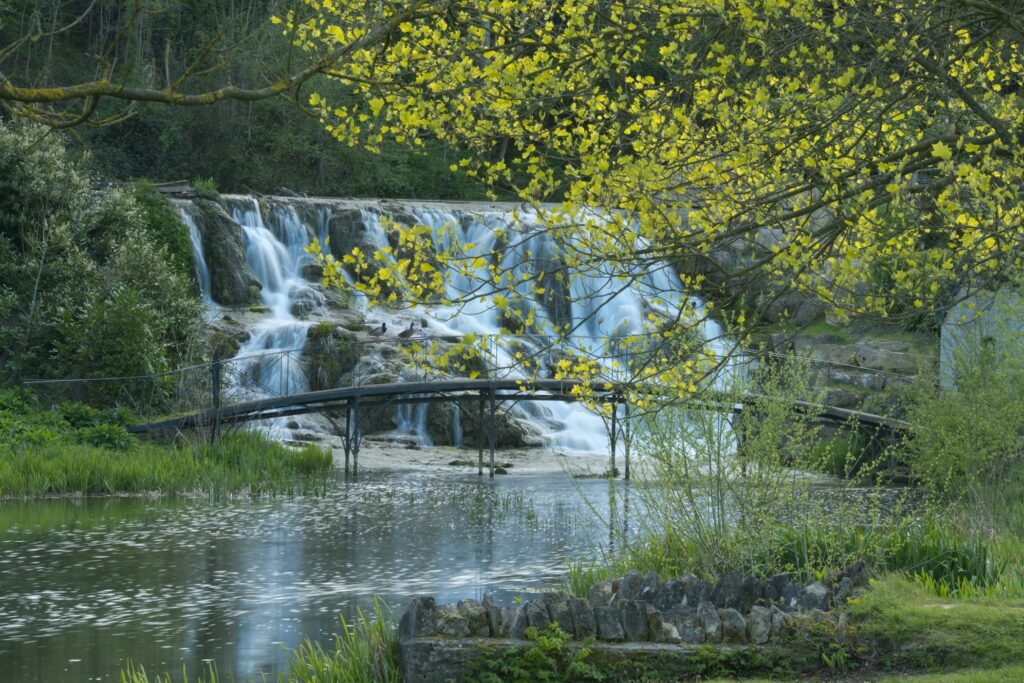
(635, 617)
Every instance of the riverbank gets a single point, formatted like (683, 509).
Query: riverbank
(388, 455)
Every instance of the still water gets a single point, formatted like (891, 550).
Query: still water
(86, 585)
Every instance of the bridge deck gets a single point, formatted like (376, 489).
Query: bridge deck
(475, 389)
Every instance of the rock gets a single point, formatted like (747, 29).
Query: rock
(727, 591)
(537, 615)
(558, 611)
(870, 356)
(495, 618)
(450, 623)
(686, 622)
(670, 594)
(696, 590)
(774, 587)
(634, 620)
(629, 589)
(844, 592)
(815, 595)
(420, 618)
(650, 587)
(655, 621)
(779, 621)
(476, 618)
(232, 281)
(601, 594)
(734, 626)
(667, 633)
(710, 622)
(858, 573)
(609, 627)
(759, 625)
(791, 596)
(517, 622)
(583, 622)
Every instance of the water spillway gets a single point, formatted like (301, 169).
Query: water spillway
(598, 305)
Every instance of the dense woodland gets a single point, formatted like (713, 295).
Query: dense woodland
(241, 146)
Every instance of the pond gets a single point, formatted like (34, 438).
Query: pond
(86, 585)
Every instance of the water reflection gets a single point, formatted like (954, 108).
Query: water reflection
(86, 585)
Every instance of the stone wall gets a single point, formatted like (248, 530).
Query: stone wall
(671, 618)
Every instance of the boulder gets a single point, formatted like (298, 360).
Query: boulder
(517, 622)
(559, 612)
(759, 625)
(601, 594)
(495, 618)
(815, 596)
(687, 623)
(629, 589)
(450, 623)
(420, 618)
(609, 627)
(537, 615)
(791, 596)
(232, 282)
(774, 587)
(779, 621)
(583, 622)
(670, 594)
(649, 588)
(476, 618)
(634, 620)
(734, 626)
(710, 622)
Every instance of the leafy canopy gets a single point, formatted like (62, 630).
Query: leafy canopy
(832, 135)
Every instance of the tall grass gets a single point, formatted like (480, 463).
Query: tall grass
(240, 462)
(365, 651)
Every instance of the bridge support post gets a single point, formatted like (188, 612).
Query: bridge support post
(480, 454)
(355, 439)
(347, 440)
(625, 442)
(614, 435)
(215, 398)
(493, 431)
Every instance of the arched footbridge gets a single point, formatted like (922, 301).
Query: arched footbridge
(488, 392)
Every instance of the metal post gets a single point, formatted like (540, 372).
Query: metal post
(494, 432)
(215, 390)
(480, 422)
(348, 434)
(355, 444)
(625, 416)
(615, 410)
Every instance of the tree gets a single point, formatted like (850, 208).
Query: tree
(842, 139)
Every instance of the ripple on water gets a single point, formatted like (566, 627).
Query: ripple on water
(103, 580)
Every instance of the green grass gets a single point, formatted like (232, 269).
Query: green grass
(242, 462)
(364, 652)
(900, 625)
(73, 449)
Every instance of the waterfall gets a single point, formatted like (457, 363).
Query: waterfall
(202, 272)
(597, 305)
(269, 364)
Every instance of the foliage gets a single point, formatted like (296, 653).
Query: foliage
(74, 449)
(547, 658)
(965, 442)
(206, 188)
(364, 651)
(88, 284)
(826, 137)
(900, 625)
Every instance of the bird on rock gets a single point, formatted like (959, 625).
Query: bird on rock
(405, 334)
(378, 331)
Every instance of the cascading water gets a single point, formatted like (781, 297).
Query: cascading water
(268, 363)
(597, 306)
(202, 271)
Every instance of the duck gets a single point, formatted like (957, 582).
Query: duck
(405, 334)
(378, 331)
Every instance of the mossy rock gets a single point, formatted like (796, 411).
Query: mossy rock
(330, 353)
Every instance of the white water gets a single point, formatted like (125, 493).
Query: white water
(269, 362)
(202, 272)
(604, 305)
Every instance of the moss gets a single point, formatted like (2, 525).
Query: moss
(330, 354)
(164, 226)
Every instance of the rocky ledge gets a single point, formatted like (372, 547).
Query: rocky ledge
(672, 617)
